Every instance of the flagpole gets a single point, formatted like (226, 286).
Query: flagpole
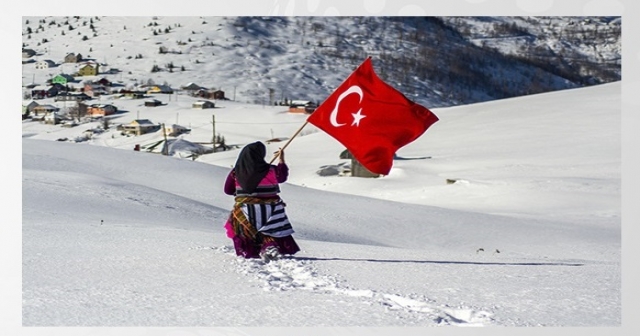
(289, 141)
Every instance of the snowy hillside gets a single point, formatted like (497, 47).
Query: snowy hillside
(528, 235)
(506, 212)
(436, 61)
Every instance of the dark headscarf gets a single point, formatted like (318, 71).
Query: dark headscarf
(251, 167)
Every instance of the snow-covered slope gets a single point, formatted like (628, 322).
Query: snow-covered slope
(528, 235)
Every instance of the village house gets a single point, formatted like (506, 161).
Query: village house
(94, 90)
(57, 88)
(66, 96)
(52, 91)
(96, 110)
(192, 87)
(302, 106)
(73, 58)
(52, 118)
(39, 94)
(28, 109)
(103, 81)
(62, 79)
(139, 127)
(202, 93)
(45, 64)
(159, 89)
(203, 104)
(26, 53)
(217, 94)
(89, 69)
(152, 102)
(42, 110)
(175, 130)
(132, 94)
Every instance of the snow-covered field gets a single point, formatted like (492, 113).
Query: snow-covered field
(528, 235)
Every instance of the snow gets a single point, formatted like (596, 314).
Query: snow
(529, 233)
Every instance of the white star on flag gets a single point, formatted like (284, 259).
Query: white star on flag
(357, 117)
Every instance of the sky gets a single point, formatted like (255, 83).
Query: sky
(529, 235)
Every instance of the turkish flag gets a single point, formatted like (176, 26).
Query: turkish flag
(371, 118)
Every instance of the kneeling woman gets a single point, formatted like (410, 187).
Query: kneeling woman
(258, 223)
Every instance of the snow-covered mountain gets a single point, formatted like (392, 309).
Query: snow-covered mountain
(436, 61)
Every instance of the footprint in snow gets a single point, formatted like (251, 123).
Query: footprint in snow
(295, 274)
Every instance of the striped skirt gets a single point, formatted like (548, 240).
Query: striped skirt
(257, 223)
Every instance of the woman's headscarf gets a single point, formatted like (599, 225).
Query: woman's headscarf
(251, 167)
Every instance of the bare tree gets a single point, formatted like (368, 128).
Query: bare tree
(77, 111)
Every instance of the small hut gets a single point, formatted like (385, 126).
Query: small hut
(203, 104)
(357, 169)
(152, 102)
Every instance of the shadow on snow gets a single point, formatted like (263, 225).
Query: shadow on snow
(444, 262)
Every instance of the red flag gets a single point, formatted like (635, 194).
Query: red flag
(371, 118)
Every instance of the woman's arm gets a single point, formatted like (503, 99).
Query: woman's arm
(282, 172)
(230, 183)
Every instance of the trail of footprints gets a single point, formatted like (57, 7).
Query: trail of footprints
(295, 274)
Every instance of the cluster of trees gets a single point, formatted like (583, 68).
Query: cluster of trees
(444, 57)
(567, 62)
(438, 53)
(169, 67)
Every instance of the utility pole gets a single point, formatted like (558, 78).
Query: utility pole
(213, 140)
(271, 95)
(165, 148)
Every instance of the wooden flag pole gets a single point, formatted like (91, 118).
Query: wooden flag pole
(289, 141)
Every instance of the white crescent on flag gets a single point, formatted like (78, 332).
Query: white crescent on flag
(334, 114)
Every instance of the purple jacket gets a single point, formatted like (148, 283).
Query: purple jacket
(281, 172)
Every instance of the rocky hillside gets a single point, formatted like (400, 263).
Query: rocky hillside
(436, 61)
